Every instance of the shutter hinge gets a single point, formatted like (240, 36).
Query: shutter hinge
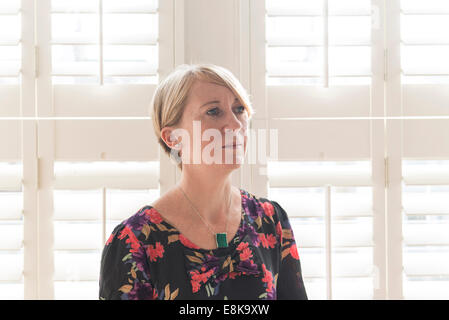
(385, 64)
(387, 182)
(36, 61)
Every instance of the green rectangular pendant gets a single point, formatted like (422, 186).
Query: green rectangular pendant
(221, 240)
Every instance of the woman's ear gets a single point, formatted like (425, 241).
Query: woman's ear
(169, 138)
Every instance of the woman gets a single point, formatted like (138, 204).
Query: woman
(204, 238)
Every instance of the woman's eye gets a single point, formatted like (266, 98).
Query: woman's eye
(241, 109)
(213, 112)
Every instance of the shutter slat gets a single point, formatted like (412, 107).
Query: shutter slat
(12, 291)
(356, 262)
(290, 174)
(434, 203)
(143, 39)
(426, 262)
(9, 7)
(425, 7)
(70, 6)
(76, 290)
(11, 236)
(134, 6)
(128, 175)
(67, 236)
(11, 69)
(282, 7)
(432, 173)
(11, 205)
(120, 204)
(360, 288)
(309, 235)
(76, 68)
(76, 266)
(425, 289)
(298, 69)
(426, 233)
(11, 265)
(11, 174)
(128, 69)
(77, 204)
(312, 262)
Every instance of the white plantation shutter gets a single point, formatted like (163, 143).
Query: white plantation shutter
(366, 197)
(98, 67)
(11, 231)
(425, 150)
(12, 247)
(341, 236)
(104, 41)
(90, 199)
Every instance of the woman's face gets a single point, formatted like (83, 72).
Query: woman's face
(215, 120)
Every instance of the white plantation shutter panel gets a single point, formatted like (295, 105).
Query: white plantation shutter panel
(12, 249)
(323, 177)
(98, 67)
(425, 156)
(11, 231)
(90, 199)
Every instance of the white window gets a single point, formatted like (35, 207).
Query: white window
(356, 91)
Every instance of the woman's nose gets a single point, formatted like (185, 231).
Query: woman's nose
(233, 122)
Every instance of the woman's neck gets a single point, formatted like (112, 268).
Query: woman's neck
(210, 195)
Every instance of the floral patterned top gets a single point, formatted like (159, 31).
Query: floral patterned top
(147, 258)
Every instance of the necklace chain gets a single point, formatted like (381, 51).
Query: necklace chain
(205, 222)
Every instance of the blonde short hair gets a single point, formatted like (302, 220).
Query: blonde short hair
(170, 97)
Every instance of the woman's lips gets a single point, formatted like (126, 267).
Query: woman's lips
(233, 145)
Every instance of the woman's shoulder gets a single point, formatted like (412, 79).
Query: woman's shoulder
(139, 225)
(264, 205)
